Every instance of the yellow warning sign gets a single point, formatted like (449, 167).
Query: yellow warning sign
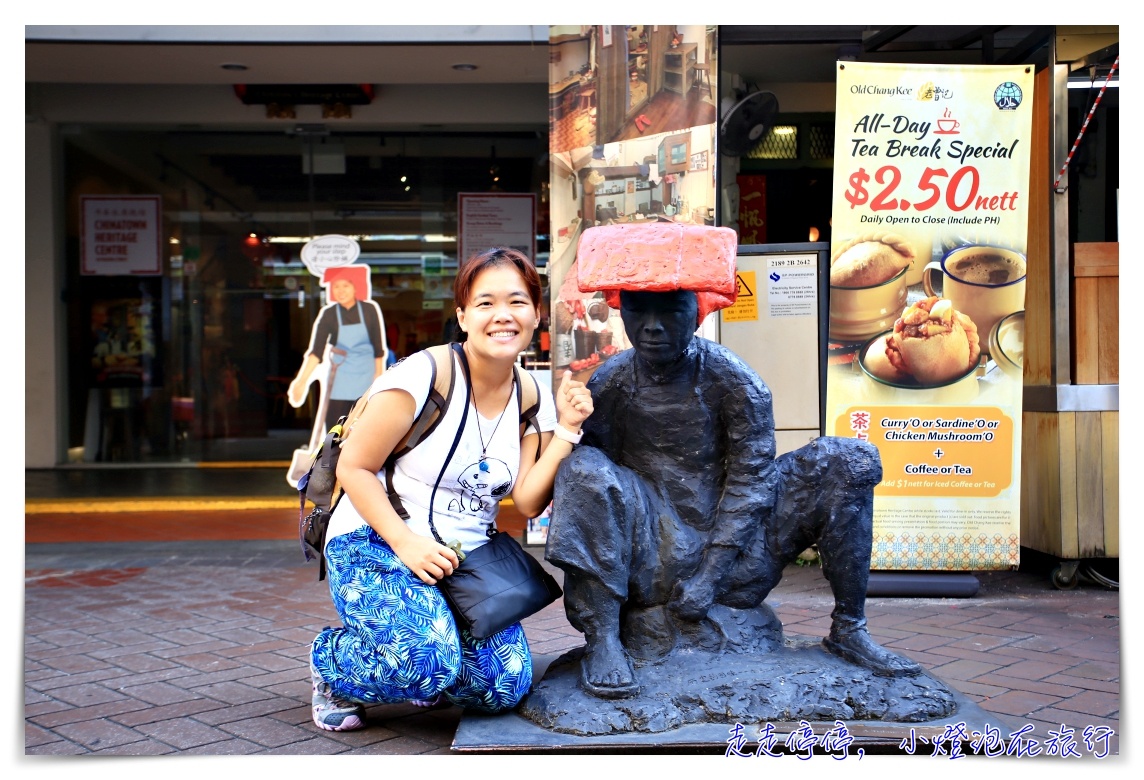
(746, 306)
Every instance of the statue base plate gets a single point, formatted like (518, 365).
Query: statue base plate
(584, 723)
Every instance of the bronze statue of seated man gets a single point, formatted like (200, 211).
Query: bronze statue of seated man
(673, 519)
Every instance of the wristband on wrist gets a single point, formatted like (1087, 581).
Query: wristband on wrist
(566, 435)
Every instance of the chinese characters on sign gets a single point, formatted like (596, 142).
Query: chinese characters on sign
(752, 209)
(120, 235)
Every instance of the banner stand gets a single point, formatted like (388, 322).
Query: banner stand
(923, 584)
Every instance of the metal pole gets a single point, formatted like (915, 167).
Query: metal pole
(310, 150)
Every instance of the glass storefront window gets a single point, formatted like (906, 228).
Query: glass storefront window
(193, 364)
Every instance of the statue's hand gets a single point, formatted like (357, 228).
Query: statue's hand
(691, 599)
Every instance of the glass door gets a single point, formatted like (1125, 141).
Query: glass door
(193, 363)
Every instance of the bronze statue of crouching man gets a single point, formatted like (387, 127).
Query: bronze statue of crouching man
(673, 519)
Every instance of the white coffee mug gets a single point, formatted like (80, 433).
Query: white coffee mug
(982, 282)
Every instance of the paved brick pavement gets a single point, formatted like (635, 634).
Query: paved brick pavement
(157, 648)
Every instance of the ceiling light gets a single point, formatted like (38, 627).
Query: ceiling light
(1087, 84)
(466, 66)
(233, 66)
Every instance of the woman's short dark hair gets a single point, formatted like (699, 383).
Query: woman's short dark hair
(491, 258)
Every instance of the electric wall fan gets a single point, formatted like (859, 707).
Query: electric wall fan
(747, 123)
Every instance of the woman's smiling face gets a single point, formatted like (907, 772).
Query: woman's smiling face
(500, 317)
(342, 291)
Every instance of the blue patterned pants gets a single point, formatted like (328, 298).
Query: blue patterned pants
(399, 640)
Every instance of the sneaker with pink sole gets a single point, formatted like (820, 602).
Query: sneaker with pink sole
(333, 713)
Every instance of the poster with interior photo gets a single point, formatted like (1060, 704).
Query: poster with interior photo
(641, 181)
(631, 122)
(618, 82)
(927, 298)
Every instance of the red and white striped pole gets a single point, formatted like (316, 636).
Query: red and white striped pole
(1056, 185)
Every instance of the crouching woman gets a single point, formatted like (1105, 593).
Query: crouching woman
(398, 641)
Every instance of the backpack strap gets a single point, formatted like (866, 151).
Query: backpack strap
(528, 401)
(441, 384)
(456, 440)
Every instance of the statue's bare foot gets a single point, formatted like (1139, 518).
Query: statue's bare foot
(605, 670)
(858, 647)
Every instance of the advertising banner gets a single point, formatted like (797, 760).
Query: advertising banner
(927, 297)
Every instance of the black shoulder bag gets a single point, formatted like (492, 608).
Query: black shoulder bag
(498, 583)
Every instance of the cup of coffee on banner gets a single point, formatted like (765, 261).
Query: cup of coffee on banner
(983, 282)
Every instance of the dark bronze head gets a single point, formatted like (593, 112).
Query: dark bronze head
(660, 325)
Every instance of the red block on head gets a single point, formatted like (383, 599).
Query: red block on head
(660, 257)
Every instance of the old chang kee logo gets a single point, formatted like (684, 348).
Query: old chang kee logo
(874, 89)
(927, 92)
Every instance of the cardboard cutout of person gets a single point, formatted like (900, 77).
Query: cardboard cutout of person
(348, 340)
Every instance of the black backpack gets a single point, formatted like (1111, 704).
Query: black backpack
(319, 485)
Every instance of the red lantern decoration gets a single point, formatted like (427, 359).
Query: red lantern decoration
(255, 247)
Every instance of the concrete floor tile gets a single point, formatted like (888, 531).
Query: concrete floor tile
(152, 714)
(85, 695)
(398, 746)
(146, 747)
(60, 747)
(1095, 671)
(962, 669)
(1019, 703)
(1097, 704)
(256, 709)
(265, 731)
(1084, 683)
(110, 709)
(99, 734)
(999, 678)
(158, 693)
(230, 747)
(183, 733)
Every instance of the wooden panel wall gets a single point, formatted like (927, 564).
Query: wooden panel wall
(1096, 313)
(1089, 486)
(1040, 482)
(1070, 484)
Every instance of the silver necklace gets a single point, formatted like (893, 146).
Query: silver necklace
(484, 447)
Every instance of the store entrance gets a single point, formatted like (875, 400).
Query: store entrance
(193, 364)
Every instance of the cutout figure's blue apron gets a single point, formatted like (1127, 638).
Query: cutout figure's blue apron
(351, 359)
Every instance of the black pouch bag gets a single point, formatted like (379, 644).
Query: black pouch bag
(497, 584)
